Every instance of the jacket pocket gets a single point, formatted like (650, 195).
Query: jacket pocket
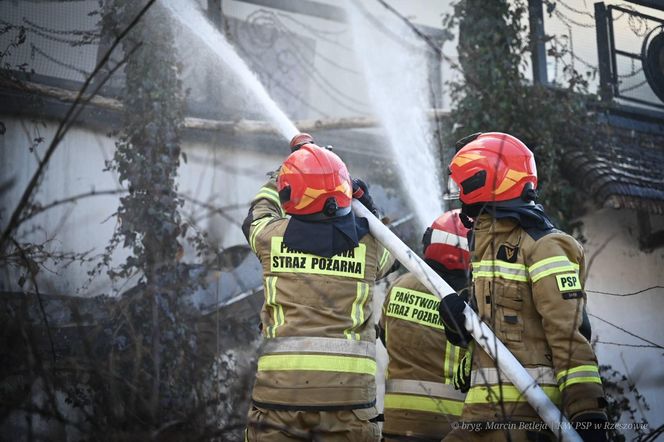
(509, 306)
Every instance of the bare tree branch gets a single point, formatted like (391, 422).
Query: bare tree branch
(626, 331)
(65, 124)
(71, 199)
(32, 272)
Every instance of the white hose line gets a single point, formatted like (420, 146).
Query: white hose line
(505, 360)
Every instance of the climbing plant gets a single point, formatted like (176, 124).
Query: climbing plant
(150, 225)
(493, 94)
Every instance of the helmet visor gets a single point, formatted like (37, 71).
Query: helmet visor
(452, 191)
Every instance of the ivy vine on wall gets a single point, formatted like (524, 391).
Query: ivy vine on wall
(493, 94)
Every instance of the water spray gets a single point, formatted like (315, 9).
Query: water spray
(395, 56)
(188, 15)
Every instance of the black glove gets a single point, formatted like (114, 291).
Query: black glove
(461, 379)
(361, 193)
(591, 430)
(451, 312)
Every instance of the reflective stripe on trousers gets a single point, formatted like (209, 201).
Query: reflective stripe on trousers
(318, 354)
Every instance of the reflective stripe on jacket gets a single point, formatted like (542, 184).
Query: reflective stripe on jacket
(531, 294)
(317, 319)
(419, 397)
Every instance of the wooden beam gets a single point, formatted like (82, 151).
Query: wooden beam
(241, 126)
(305, 7)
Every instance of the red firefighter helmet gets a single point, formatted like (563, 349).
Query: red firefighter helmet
(493, 167)
(314, 180)
(446, 241)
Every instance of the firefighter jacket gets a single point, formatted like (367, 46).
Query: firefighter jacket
(529, 290)
(420, 399)
(317, 319)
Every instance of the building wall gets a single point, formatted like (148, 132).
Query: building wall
(214, 175)
(616, 265)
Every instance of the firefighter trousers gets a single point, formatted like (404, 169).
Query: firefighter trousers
(268, 425)
(515, 435)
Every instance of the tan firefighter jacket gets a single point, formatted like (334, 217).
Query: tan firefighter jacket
(530, 292)
(317, 319)
(420, 399)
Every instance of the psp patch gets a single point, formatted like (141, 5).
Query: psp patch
(568, 282)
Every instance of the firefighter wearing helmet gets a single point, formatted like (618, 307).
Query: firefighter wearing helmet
(528, 284)
(421, 402)
(316, 373)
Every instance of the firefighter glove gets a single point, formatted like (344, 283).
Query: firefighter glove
(461, 379)
(451, 312)
(591, 430)
(361, 193)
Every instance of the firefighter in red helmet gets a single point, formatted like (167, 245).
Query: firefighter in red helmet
(528, 284)
(316, 372)
(421, 402)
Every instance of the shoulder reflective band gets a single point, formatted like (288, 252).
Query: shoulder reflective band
(500, 269)
(271, 301)
(349, 264)
(578, 375)
(357, 311)
(549, 266)
(568, 282)
(423, 403)
(489, 376)
(270, 194)
(307, 344)
(418, 307)
(384, 259)
(423, 388)
(342, 364)
(482, 394)
(256, 228)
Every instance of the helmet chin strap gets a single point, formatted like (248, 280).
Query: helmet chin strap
(529, 193)
(330, 211)
(466, 220)
(528, 197)
(331, 207)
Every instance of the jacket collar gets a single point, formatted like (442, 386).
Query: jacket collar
(325, 237)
